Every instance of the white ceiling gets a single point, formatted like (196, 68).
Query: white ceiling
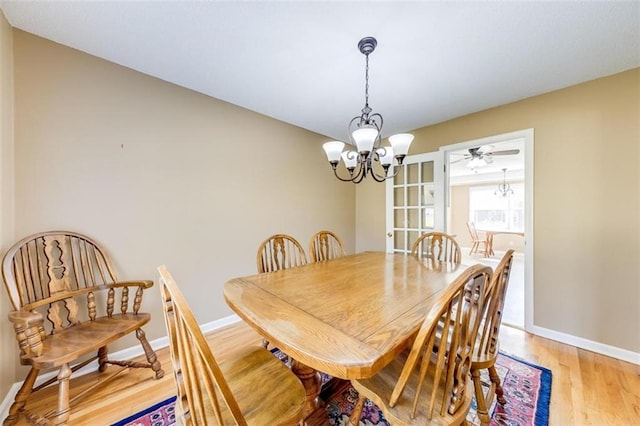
(298, 61)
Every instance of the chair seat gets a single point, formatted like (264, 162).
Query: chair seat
(480, 359)
(384, 382)
(266, 391)
(70, 343)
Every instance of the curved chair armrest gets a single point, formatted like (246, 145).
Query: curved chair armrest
(140, 283)
(29, 328)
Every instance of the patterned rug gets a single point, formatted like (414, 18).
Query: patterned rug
(527, 388)
(160, 414)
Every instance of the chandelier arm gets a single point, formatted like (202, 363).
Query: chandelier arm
(362, 173)
(372, 121)
(357, 118)
(377, 177)
(353, 177)
(335, 172)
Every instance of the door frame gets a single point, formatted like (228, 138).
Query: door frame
(528, 136)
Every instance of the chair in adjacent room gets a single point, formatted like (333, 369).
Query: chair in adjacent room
(487, 344)
(476, 240)
(254, 387)
(278, 252)
(427, 385)
(67, 305)
(325, 245)
(438, 246)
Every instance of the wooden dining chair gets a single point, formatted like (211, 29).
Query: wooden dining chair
(57, 283)
(476, 240)
(428, 385)
(325, 245)
(252, 388)
(488, 345)
(438, 246)
(278, 252)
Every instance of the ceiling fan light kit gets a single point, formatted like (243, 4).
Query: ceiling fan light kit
(365, 134)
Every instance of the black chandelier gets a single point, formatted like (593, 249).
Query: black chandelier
(365, 135)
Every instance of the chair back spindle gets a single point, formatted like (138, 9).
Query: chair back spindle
(325, 245)
(278, 252)
(438, 246)
(472, 230)
(496, 294)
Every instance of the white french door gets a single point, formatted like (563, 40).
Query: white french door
(415, 201)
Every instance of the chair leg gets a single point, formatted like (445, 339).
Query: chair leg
(62, 415)
(102, 359)
(21, 398)
(493, 375)
(150, 353)
(482, 409)
(354, 418)
(474, 247)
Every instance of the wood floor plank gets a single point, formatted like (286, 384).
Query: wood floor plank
(587, 388)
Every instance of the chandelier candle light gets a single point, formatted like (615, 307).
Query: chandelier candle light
(365, 134)
(504, 189)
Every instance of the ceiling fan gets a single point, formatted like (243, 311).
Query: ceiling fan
(480, 156)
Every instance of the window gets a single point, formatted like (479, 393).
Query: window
(489, 211)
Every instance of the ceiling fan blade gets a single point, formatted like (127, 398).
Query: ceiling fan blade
(484, 149)
(457, 161)
(505, 152)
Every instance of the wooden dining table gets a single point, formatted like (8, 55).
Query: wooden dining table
(347, 317)
(488, 252)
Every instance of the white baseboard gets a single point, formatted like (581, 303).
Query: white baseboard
(8, 400)
(127, 353)
(590, 345)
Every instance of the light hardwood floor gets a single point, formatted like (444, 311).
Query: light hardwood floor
(587, 388)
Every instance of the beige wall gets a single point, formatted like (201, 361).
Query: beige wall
(460, 216)
(586, 202)
(162, 175)
(8, 347)
(370, 214)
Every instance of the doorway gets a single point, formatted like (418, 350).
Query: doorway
(489, 182)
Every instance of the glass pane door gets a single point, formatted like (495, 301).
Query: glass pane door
(414, 201)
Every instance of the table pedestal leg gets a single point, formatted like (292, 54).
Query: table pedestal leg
(488, 249)
(312, 383)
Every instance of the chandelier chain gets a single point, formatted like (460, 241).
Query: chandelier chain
(366, 84)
